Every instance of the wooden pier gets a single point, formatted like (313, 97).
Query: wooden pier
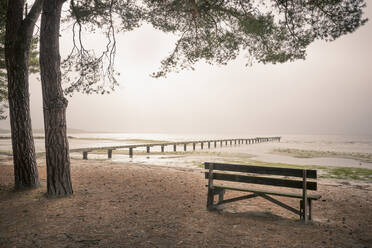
(221, 142)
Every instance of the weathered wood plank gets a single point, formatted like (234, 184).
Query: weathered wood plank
(278, 182)
(239, 198)
(279, 171)
(268, 192)
(283, 205)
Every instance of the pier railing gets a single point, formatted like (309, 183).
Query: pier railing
(209, 144)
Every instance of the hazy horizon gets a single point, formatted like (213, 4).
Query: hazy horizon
(328, 93)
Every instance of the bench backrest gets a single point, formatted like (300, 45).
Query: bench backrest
(277, 171)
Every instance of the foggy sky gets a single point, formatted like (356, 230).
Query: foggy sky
(328, 93)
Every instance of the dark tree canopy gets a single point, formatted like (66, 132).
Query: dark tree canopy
(269, 31)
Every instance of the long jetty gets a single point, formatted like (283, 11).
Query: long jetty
(209, 144)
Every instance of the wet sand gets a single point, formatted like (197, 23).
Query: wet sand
(244, 154)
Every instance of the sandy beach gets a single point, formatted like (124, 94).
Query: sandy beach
(131, 102)
(136, 205)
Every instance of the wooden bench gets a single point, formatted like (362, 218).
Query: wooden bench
(279, 177)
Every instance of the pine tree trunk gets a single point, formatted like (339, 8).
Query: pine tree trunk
(18, 39)
(54, 102)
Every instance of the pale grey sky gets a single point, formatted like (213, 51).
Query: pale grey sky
(328, 93)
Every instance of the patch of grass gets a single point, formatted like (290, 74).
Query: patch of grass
(10, 153)
(298, 153)
(283, 165)
(6, 152)
(10, 137)
(348, 173)
(40, 154)
(260, 163)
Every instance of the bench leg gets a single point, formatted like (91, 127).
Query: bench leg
(302, 212)
(210, 199)
(221, 195)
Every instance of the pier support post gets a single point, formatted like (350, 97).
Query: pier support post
(131, 152)
(221, 143)
(209, 145)
(215, 144)
(193, 146)
(85, 155)
(174, 147)
(148, 149)
(109, 153)
(184, 147)
(162, 148)
(201, 145)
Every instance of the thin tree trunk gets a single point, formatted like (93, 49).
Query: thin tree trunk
(54, 102)
(18, 39)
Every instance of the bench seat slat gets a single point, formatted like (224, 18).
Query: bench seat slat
(292, 195)
(262, 170)
(263, 180)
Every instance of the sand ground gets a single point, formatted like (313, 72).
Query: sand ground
(135, 205)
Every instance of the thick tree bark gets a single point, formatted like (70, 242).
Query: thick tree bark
(17, 45)
(54, 102)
